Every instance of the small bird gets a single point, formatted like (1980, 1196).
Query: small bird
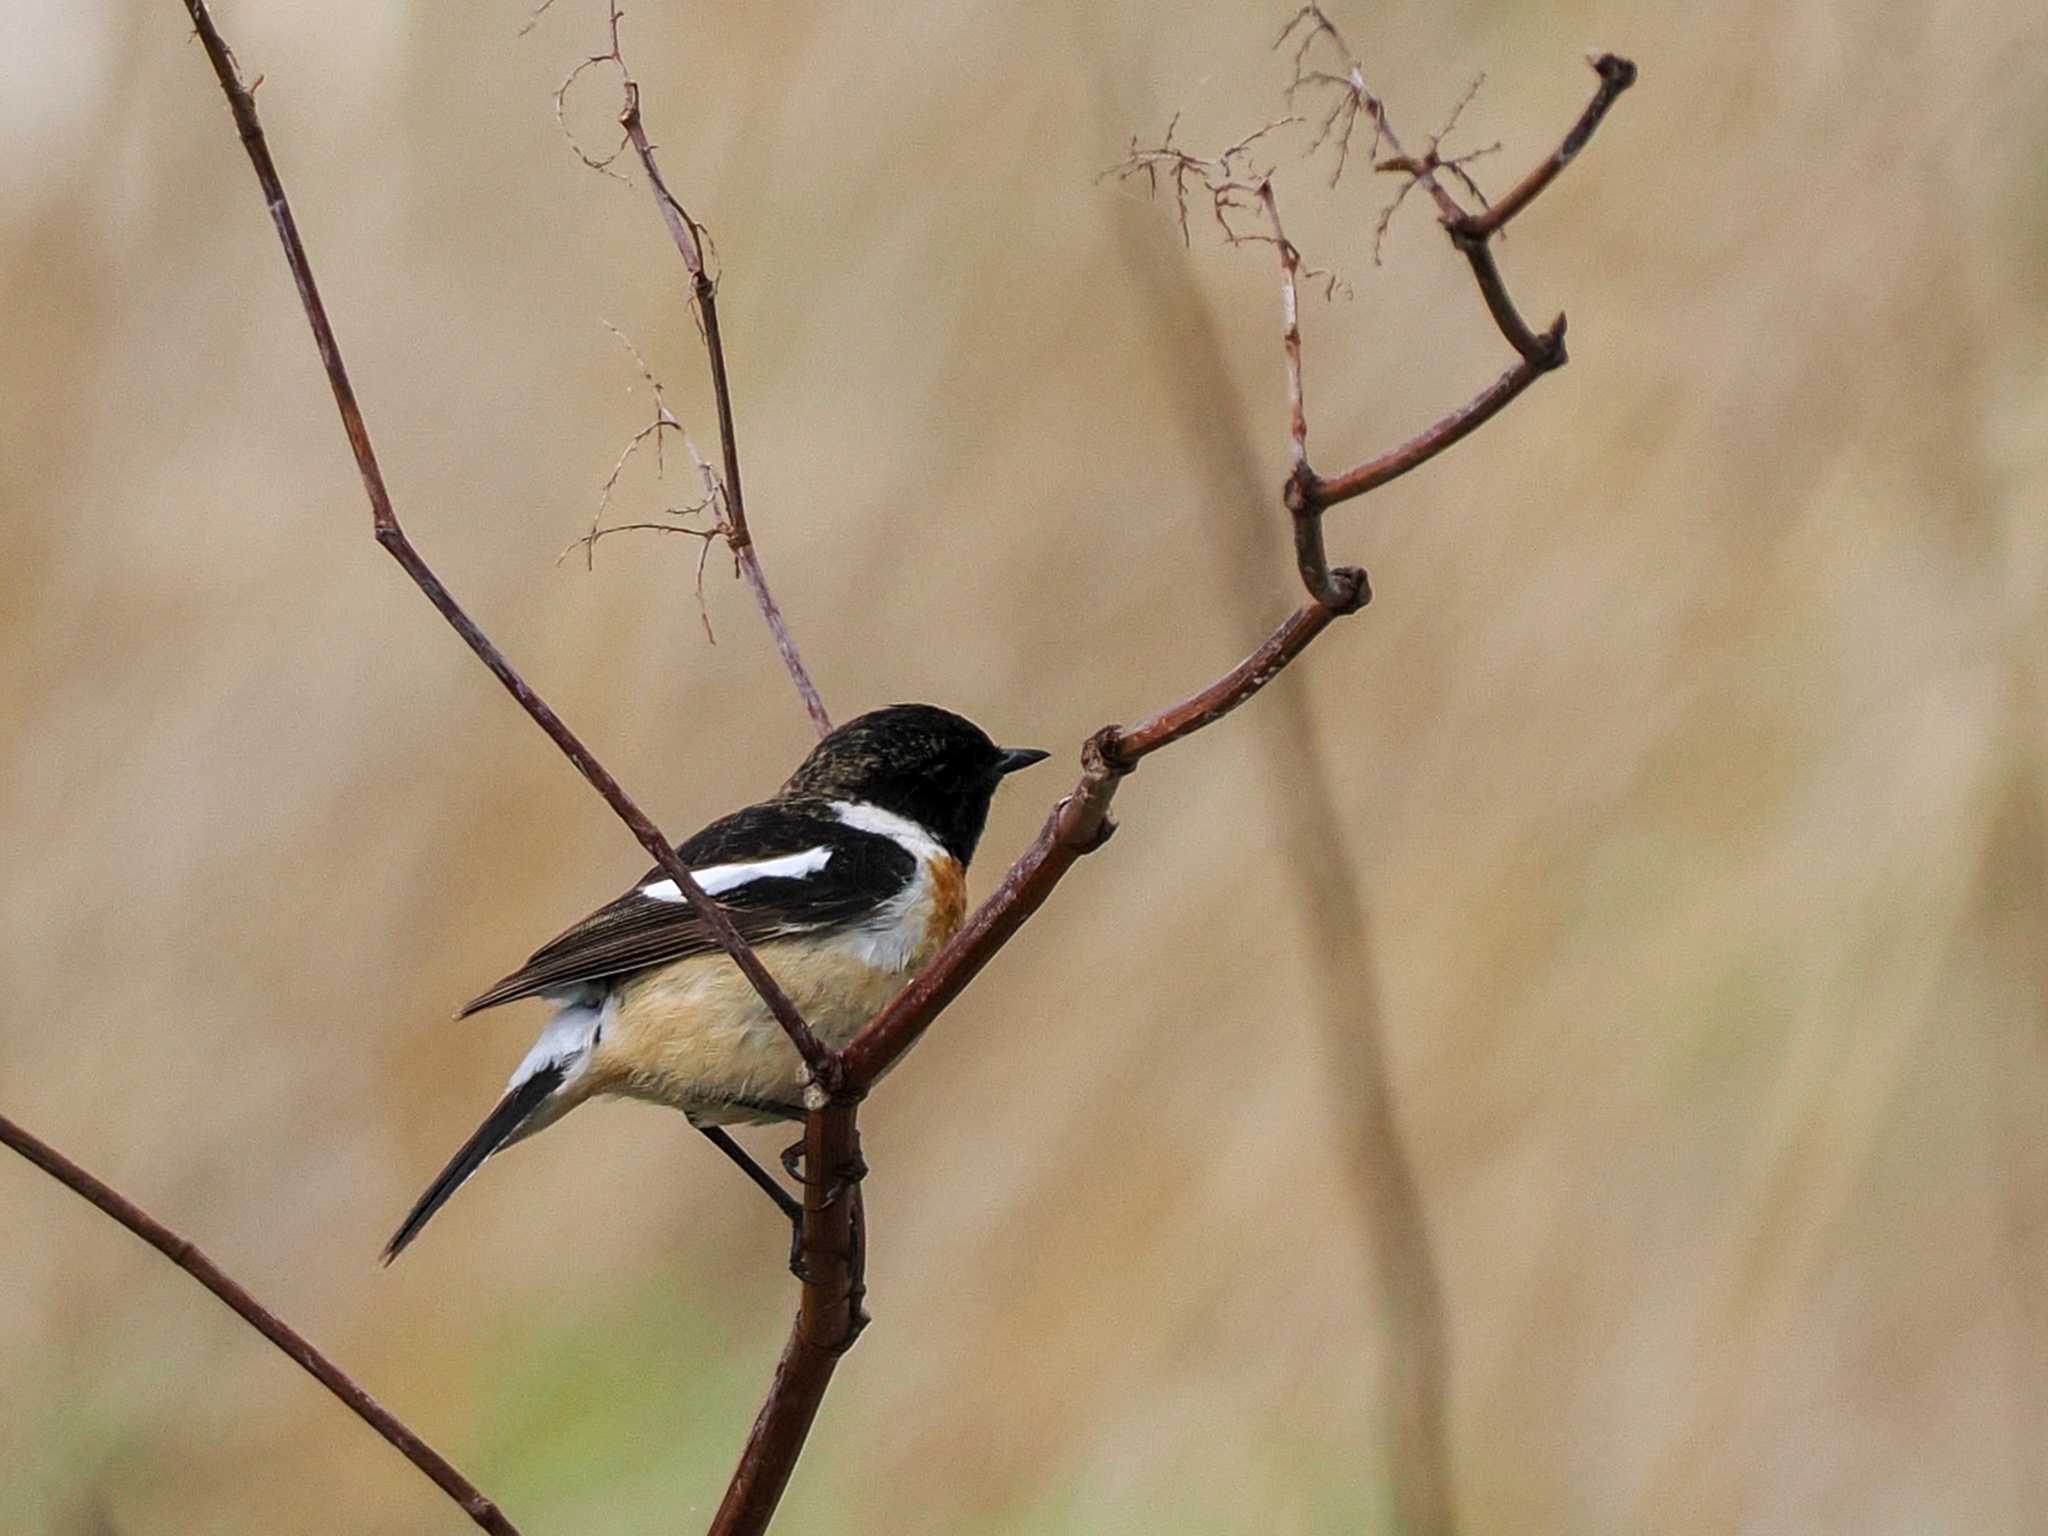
(846, 882)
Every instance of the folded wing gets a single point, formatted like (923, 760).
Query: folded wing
(779, 869)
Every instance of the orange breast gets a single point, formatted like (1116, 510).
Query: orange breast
(948, 908)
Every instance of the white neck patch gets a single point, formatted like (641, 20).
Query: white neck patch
(717, 878)
(900, 830)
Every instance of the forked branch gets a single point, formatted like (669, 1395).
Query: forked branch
(1311, 29)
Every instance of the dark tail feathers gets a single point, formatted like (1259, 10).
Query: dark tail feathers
(498, 1126)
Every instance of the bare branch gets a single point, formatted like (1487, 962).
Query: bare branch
(1290, 336)
(1309, 26)
(1616, 75)
(704, 535)
(1230, 178)
(832, 1231)
(1328, 490)
(692, 244)
(1339, 590)
(828, 1321)
(1540, 351)
(1078, 825)
(183, 1253)
(822, 1063)
(534, 16)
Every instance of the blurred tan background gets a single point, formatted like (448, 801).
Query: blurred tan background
(1690, 761)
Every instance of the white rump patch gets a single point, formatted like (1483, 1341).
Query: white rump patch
(900, 830)
(566, 1040)
(717, 878)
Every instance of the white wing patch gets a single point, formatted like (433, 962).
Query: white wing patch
(718, 878)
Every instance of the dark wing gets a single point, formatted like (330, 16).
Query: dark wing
(859, 873)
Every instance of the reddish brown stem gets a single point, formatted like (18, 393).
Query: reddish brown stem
(688, 237)
(777, 1438)
(183, 1253)
(1078, 825)
(1616, 75)
(242, 102)
(828, 1321)
(1308, 494)
(1328, 490)
(1290, 332)
(1493, 289)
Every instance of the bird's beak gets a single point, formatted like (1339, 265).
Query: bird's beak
(1014, 758)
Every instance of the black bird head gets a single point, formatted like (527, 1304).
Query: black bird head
(918, 761)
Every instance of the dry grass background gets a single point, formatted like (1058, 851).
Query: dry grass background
(1691, 759)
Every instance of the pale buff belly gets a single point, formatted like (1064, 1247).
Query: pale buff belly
(696, 1037)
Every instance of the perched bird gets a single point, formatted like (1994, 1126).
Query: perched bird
(846, 882)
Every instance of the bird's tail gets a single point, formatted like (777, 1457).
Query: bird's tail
(521, 1104)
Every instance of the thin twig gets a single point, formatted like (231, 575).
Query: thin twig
(1290, 335)
(691, 243)
(1352, 96)
(704, 535)
(1229, 177)
(602, 164)
(183, 1253)
(664, 420)
(822, 1063)
(534, 16)
(1332, 589)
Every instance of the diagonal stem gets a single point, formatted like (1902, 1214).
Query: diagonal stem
(688, 235)
(242, 102)
(1616, 75)
(1328, 490)
(183, 1253)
